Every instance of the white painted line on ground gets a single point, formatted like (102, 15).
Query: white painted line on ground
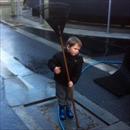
(97, 33)
(28, 85)
(13, 65)
(101, 66)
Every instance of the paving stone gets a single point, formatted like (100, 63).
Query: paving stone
(87, 120)
(34, 89)
(117, 126)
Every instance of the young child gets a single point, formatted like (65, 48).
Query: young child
(74, 63)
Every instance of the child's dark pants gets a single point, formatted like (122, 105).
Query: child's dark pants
(64, 97)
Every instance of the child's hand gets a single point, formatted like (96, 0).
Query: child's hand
(70, 84)
(57, 70)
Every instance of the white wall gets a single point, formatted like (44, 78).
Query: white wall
(8, 9)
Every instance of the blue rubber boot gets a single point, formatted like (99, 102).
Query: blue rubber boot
(62, 114)
(69, 113)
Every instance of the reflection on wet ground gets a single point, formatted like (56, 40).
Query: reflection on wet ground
(32, 53)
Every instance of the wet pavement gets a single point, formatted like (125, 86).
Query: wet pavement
(115, 46)
(8, 118)
(86, 119)
(34, 55)
(29, 96)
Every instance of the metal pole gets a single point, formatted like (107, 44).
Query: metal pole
(109, 16)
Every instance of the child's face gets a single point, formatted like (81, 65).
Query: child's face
(74, 50)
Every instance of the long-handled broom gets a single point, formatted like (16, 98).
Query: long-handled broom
(56, 14)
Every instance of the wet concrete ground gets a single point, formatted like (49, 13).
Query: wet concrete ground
(86, 119)
(8, 118)
(33, 107)
(92, 46)
(29, 51)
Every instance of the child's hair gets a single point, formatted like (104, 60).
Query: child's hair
(73, 40)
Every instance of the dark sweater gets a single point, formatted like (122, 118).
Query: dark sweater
(74, 67)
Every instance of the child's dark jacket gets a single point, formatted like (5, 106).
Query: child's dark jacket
(74, 67)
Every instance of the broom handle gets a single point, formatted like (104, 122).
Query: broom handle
(65, 61)
(68, 77)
